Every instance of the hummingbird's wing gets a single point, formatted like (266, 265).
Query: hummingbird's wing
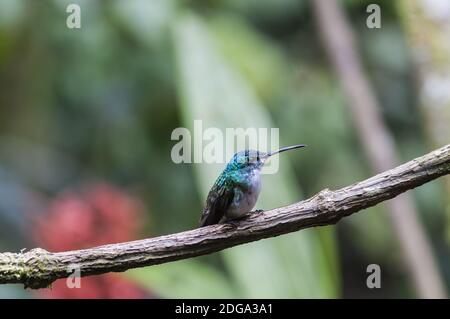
(218, 201)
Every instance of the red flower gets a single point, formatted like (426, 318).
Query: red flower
(100, 215)
(108, 286)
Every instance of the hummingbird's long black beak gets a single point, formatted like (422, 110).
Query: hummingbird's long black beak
(287, 148)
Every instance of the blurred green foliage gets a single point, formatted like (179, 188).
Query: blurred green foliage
(100, 103)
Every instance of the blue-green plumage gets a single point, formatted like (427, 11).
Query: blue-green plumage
(237, 188)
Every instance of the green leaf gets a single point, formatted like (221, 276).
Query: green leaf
(258, 59)
(184, 279)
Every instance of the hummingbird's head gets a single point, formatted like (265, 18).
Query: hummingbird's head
(249, 159)
(255, 159)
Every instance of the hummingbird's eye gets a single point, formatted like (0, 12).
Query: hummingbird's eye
(255, 159)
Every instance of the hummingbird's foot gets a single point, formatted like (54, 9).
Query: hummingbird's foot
(258, 211)
(232, 224)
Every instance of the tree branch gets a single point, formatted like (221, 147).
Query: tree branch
(38, 268)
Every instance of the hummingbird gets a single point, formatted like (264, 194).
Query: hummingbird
(237, 188)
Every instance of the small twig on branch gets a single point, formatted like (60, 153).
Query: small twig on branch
(38, 268)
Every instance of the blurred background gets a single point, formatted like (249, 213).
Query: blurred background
(86, 117)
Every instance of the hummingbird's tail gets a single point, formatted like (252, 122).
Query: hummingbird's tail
(209, 218)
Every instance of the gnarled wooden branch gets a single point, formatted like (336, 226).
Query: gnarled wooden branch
(39, 268)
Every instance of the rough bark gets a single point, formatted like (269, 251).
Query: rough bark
(38, 268)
